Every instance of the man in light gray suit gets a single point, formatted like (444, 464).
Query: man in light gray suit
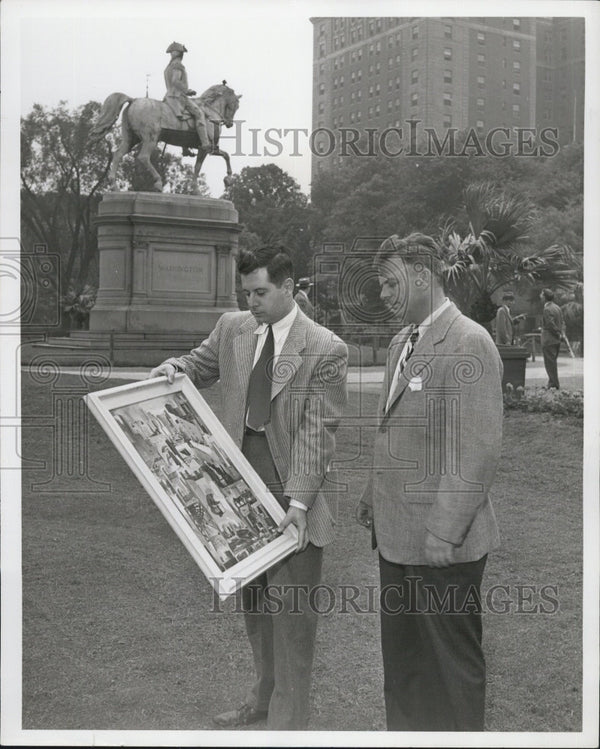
(427, 502)
(283, 386)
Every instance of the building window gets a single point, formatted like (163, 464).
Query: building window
(377, 109)
(414, 53)
(447, 53)
(479, 124)
(516, 45)
(370, 111)
(447, 99)
(377, 90)
(389, 106)
(447, 31)
(516, 88)
(398, 82)
(352, 77)
(321, 88)
(370, 91)
(480, 103)
(480, 37)
(447, 120)
(516, 24)
(378, 47)
(351, 116)
(516, 110)
(517, 66)
(480, 81)
(414, 99)
(414, 76)
(358, 115)
(341, 80)
(321, 50)
(481, 59)
(447, 76)
(415, 32)
(321, 108)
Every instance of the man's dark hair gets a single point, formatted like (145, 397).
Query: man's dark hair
(415, 246)
(548, 294)
(274, 258)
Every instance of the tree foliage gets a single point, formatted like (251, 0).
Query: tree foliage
(272, 207)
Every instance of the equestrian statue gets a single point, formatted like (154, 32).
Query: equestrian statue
(181, 119)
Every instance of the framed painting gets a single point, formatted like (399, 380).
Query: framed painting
(201, 482)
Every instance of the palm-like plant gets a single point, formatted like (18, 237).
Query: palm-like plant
(490, 255)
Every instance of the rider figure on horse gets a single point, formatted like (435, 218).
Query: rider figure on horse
(178, 93)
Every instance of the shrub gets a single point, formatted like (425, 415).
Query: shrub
(540, 400)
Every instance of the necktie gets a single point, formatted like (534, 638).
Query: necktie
(259, 387)
(404, 357)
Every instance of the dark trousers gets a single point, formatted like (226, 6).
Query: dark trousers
(280, 622)
(434, 669)
(550, 352)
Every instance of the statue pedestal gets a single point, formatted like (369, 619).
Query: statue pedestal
(166, 264)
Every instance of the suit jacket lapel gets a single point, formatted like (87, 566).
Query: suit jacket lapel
(419, 364)
(290, 359)
(244, 346)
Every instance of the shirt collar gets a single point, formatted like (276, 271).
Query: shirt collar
(422, 328)
(281, 327)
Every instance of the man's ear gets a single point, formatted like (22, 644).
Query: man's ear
(288, 285)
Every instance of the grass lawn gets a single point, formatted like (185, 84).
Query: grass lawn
(119, 626)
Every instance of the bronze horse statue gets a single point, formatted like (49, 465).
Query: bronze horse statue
(148, 121)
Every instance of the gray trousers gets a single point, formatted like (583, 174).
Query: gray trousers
(280, 622)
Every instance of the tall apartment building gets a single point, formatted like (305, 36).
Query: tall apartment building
(560, 64)
(462, 73)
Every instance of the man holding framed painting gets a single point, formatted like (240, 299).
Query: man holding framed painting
(283, 385)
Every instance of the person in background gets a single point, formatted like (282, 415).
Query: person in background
(552, 335)
(505, 323)
(301, 297)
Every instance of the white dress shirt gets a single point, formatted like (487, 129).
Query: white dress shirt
(281, 330)
(422, 328)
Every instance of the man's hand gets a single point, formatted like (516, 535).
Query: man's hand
(296, 517)
(164, 370)
(364, 514)
(438, 553)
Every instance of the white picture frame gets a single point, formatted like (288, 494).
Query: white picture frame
(206, 489)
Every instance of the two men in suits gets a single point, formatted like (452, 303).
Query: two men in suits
(283, 385)
(427, 501)
(552, 335)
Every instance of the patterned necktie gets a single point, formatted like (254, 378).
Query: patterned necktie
(410, 346)
(259, 387)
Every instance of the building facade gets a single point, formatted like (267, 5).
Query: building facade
(462, 73)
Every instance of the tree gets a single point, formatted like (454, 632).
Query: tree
(272, 206)
(489, 255)
(61, 178)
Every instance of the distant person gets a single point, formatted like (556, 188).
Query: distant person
(552, 335)
(301, 297)
(505, 323)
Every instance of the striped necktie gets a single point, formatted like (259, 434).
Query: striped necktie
(404, 357)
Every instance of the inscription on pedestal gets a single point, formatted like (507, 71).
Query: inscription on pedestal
(182, 271)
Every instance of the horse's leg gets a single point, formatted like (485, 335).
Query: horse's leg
(125, 146)
(197, 166)
(227, 180)
(147, 147)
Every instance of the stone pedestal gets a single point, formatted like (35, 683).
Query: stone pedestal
(166, 263)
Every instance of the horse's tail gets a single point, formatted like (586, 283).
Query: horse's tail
(108, 114)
